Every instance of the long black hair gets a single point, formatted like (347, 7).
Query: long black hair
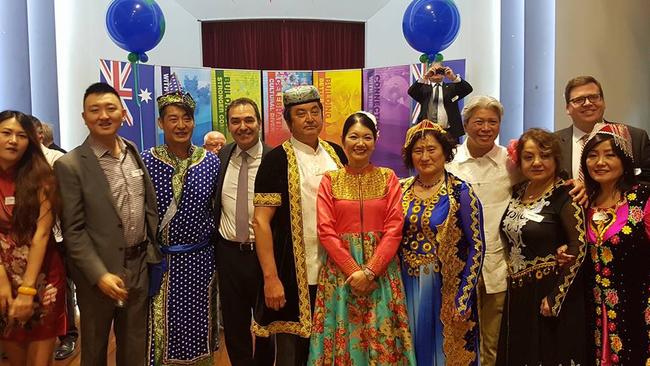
(624, 183)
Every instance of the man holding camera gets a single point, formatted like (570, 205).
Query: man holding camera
(438, 100)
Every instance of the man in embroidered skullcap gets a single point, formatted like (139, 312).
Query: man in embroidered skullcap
(585, 104)
(284, 222)
(183, 313)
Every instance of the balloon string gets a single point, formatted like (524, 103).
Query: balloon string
(136, 69)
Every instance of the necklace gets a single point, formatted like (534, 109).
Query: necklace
(427, 186)
(530, 196)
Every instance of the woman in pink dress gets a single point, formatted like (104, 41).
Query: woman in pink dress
(618, 231)
(30, 316)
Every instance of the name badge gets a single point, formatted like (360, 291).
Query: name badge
(10, 200)
(530, 215)
(455, 98)
(137, 173)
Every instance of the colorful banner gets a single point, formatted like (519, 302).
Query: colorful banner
(135, 85)
(340, 93)
(273, 84)
(228, 85)
(197, 82)
(386, 96)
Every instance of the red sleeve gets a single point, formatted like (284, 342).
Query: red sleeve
(646, 219)
(393, 223)
(337, 250)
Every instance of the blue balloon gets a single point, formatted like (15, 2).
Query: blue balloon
(431, 26)
(135, 25)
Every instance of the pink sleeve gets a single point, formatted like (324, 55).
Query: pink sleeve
(646, 219)
(337, 250)
(393, 223)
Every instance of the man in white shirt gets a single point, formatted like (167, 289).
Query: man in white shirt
(239, 271)
(284, 222)
(484, 164)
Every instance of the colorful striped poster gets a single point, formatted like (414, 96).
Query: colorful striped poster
(386, 96)
(273, 84)
(228, 85)
(340, 92)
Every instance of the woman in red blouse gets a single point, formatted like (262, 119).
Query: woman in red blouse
(31, 314)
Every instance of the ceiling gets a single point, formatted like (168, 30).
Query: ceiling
(350, 10)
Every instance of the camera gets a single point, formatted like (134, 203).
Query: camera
(440, 71)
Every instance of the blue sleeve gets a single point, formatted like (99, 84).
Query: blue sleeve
(471, 222)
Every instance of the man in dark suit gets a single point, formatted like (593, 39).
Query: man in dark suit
(109, 223)
(438, 100)
(585, 104)
(239, 271)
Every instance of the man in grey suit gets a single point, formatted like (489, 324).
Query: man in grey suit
(585, 104)
(239, 271)
(109, 220)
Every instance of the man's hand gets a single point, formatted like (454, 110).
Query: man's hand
(430, 72)
(578, 192)
(274, 293)
(360, 284)
(113, 287)
(449, 73)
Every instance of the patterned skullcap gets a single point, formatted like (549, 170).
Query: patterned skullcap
(421, 128)
(300, 95)
(175, 95)
(620, 132)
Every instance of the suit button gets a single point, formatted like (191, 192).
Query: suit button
(120, 226)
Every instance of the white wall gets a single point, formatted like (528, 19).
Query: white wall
(478, 41)
(82, 40)
(610, 41)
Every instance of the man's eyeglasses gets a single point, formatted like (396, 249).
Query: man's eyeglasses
(580, 101)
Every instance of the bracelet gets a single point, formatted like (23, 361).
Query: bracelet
(25, 290)
(370, 275)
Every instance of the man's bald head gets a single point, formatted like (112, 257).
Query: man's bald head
(213, 141)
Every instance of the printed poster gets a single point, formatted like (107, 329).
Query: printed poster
(340, 92)
(228, 85)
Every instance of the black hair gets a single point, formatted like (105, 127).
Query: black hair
(625, 182)
(361, 118)
(244, 101)
(100, 88)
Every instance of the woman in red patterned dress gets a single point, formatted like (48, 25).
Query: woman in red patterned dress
(31, 315)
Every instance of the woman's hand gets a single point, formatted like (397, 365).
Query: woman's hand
(22, 308)
(6, 298)
(360, 283)
(545, 308)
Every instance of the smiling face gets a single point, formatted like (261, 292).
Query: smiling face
(586, 105)
(603, 164)
(103, 115)
(537, 164)
(13, 142)
(428, 156)
(358, 144)
(244, 126)
(177, 125)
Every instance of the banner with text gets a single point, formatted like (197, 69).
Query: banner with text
(340, 93)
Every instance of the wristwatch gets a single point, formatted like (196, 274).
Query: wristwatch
(370, 275)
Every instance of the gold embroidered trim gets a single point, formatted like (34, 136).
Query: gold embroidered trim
(543, 268)
(267, 199)
(573, 270)
(355, 187)
(470, 283)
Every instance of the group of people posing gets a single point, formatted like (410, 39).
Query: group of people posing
(531, 254)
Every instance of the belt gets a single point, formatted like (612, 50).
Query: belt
(247, 246)
(135, 251)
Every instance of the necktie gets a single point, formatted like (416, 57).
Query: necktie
(241, 207)
(433, 104)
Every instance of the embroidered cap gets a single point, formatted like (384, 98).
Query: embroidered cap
(175, 95)
(300, 95)
(421, 128)
(620, 132)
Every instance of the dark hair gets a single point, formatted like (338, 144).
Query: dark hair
(242, 102)
(37, 123)
(625, 182)
(445, 140)
(580, 81)
(546, 141)
(186, 108)
(100, 88)
(34, 178)
(361, 118)
(287, 111)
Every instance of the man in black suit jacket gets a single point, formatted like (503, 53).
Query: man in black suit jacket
(445, 112)
(239, 271)
(585, 104)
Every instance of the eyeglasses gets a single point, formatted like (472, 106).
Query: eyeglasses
(580, 101)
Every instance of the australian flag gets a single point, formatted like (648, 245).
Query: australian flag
(137, 98)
